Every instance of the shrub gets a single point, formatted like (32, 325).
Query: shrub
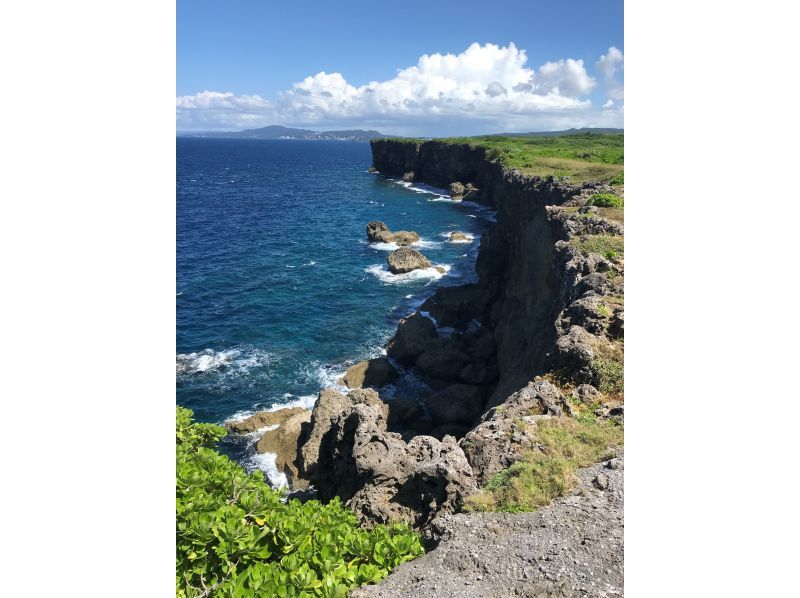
(540, 477)
(236, 536)
(605, 200)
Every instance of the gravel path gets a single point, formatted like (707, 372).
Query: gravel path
(574, 547)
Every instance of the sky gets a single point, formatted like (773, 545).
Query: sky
(428, 68)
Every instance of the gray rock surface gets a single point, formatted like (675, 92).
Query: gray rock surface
(457, 404)
(415, 335)
(283, 442)
(573, 547)
(262, 419)
(405, 259)
(350, 453)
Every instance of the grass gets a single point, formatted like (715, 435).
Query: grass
(609, 246)
(608, 369)
(581, 158)
(534, 482)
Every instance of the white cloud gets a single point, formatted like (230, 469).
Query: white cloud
(609, 103)
(483, 89)
(608, 65)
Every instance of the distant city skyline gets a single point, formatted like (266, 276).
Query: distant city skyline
(441, 68)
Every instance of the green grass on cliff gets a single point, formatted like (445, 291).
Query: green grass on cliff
(568, 444)
(582, 157)
(238, 537)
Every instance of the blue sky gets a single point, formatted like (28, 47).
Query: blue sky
(243, 63)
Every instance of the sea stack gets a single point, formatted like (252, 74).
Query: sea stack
(405, 259)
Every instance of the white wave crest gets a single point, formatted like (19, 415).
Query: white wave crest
(237, 358)
(422, 244)
(469, 237)
(266, 462)
(433, 273)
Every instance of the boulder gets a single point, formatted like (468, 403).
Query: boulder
(408, 177)
(475, 373)
(470, 191)
(457, 404)
(378, 232)
(375, 472)
(506, 432)
(263, 419)
(283, 442)
(372, 169)
(443, 363)
(405, 237)
(372, 372)
(405, 259)
(456, 190)
(375, 231)
(415, 335)
(458, 237)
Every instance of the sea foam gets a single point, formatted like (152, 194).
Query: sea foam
(381, 271)
(208, 360)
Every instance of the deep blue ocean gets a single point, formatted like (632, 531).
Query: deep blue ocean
(278, 290)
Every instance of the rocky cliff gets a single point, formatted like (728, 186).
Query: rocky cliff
(521, 292)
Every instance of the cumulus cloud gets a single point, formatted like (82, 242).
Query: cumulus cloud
(609, 65)
(485, 88)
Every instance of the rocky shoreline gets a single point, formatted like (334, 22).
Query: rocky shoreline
(540, 332)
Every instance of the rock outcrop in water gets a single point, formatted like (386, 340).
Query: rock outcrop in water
(378, 232)
(405, 260)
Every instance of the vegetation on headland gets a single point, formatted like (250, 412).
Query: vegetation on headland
(567, 445)
(582, 157)
(609, 246)
(236, 536)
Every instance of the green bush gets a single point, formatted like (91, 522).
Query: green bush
(237, 537)
(605, 200)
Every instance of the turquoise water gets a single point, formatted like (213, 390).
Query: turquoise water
(278, 290)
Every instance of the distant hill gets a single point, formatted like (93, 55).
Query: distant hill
(280, 132)
(581, 131)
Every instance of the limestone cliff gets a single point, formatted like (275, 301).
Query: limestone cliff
(516, 262)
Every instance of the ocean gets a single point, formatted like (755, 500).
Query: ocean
(278, 290)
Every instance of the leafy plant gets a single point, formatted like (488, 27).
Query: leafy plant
(237, 537)
(606, 200)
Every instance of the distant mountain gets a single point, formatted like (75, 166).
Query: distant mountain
(581, 131)
(279, 132)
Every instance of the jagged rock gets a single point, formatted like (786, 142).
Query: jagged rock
(508, 431)
(415, 335)
(444, 363)
(458, 306)
(262, 419)
(458, 237)
(470, 191)
(372, 372)
(456, 190)
(590, 312)
(376, 230)
(283, 442)
(405, 237)
(588, 210)
(587, 394)
(372, 169)
(408, 177)
(575, 352)
(617, 327)
(381, 477)
(403, 412)
(456, 404)
(405, 260)
(328, 406)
